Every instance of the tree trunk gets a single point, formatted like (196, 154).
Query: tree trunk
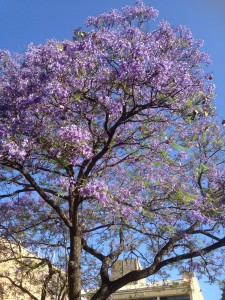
(74, 266)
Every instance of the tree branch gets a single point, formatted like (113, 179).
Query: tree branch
(39, 190)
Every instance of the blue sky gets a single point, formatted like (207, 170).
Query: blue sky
(25, 21)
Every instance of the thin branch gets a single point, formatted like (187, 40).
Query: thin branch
(39, 190)
(16, 193)
(19, 286)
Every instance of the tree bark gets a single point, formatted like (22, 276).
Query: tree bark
(102, 294)
(74, 266)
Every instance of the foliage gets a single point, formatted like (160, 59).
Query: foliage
(223, 290)
(109, 148)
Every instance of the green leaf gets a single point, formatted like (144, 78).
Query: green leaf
(59, 47)
(76, 97)
(203, 167)
(178, 147)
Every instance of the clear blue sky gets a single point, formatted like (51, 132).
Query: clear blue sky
(25, 21)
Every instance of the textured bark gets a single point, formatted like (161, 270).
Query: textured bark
(74, 267)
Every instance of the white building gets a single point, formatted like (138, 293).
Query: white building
(186, 288)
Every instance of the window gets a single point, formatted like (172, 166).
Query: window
(183, 297)
(1, 292)
(153, 298)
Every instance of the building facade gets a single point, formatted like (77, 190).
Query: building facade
(185, 288)
(25, 276)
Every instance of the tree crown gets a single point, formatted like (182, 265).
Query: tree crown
(114, 134)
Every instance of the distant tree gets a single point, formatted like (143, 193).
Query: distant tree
(222, 287)
(109, 148)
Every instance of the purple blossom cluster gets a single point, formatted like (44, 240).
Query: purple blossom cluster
(12, 150)
(77, 138)
(139, 11)
(15, 150)
(96, 190)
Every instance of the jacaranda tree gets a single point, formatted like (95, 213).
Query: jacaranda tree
(109, 149)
